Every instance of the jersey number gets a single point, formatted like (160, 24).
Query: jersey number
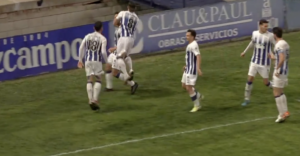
(93, 45)
(130, 23)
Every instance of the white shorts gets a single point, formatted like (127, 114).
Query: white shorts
(115, 64)
(93, 68)
(263, 71)
(110, 58)
(125, 44)
(280, 82)
(189, 79)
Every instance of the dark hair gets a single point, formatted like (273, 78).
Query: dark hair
(193, 32)
(117, 12)
(262, 21)
(98, 26)
(278, 32)
(131, 6)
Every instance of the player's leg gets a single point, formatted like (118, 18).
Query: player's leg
(280, 99)
(97, 67)
(190, 81)
(122, 52)
(89, 85)
(128, 62)
(108, 75)
(128, 59)
(249, 85)
(264, 72)
(119, 66)
(116, 70)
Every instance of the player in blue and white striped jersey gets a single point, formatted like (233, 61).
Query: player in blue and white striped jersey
(93, 49)
(127, 20)
(262, 40)
(191, 69)
(111, 57)
(280, 76)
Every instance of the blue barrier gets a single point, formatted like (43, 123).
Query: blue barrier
(44, 52)
(292, 14)
(38, 53)
(166, 30)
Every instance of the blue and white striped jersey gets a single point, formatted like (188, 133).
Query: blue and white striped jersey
(117, 35)
(262, 47)
(192, 50)
(128, 21)
(282, 47)
(93, 47)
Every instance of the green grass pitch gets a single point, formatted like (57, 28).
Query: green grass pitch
(49, 115)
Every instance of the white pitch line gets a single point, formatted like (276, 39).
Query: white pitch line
(160, 136)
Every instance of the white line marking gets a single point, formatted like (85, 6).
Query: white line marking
(201, 28)
(160, 136)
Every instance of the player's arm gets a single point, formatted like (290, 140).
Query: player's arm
(103, 49)
(250, 45)
(118, 18)
(199, 64)
(196, 51)
(81, 53)
(281, 60)
(112, 49)
(273, 41)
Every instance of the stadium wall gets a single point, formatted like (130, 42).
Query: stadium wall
(28, 18)
(51, 51)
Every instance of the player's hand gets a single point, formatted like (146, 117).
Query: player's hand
(111, 50)
(80, 64)
(242, 54)
(277, 73)
(271, 56)
(184, 67)
(199, 72)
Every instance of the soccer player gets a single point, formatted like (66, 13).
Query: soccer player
(93, 48)
(112, 55)
(280, 76)
(262, 41)
(127, 20)
(192, 67)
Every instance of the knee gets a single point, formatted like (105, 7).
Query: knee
(108, 68)
(115, 72)
(89, 79)
(277, 92)
(183, 86)
(189, 89)
(266, 82)
(250, 78)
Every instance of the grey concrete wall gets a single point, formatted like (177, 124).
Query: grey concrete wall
(58, 17)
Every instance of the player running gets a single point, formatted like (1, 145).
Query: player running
(262, 41)
(127, 20)
(280, 75)
(112, 55)
(93, 47)
(192, 67)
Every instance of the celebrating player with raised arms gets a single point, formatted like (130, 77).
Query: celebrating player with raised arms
(192, 69)
(262, 41)
(127, 20)
(93, 48)
(111, 57)
(280, 76)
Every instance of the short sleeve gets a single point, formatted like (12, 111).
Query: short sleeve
(252, 37)
(279, 49)
(120, 15)
(195, 49)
